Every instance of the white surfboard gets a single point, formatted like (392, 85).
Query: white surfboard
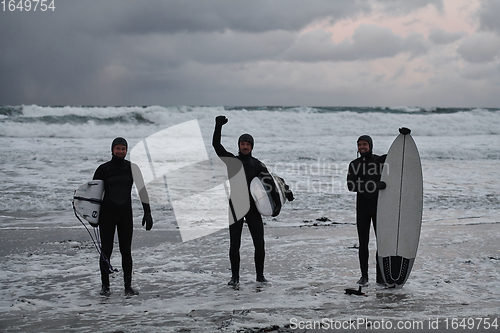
(399, 211)
(263, 199)
(87, 200)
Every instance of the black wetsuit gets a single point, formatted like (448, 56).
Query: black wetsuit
(253, 167)
(363, 175)
(116, 213)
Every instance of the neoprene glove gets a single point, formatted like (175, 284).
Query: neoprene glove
(220, 120)
(148, 221)
(404, 130)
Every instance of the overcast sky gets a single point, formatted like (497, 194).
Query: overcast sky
(254, 52)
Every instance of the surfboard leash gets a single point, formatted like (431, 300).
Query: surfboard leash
(96, 244)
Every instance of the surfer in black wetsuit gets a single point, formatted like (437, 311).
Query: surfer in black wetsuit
(252, 167)
(363, 177)
(116, 211)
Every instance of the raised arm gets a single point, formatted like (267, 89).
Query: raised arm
(216, 139)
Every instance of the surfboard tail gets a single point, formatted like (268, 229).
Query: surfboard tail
(395, 270)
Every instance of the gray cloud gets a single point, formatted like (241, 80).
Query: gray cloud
(117, 52)
(213, 47)
(442, 37)
(368, 42)
(45, 59)
(94, 52)
(480, 48)
(488, 16)
(480, 71)
(173, 16)
(398, 7)
(400, 72)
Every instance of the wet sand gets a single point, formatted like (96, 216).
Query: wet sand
(50, 282)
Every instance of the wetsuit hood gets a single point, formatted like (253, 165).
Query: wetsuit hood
(119, 141)
(117, 160)
(368, 139)
(244, 157)
(248, 138)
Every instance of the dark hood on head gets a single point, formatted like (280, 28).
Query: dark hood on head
(368, 139)
(119, 141)
(246, 137)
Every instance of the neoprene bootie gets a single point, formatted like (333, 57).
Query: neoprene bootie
(105, 290)
(129, 291)
(234, 281)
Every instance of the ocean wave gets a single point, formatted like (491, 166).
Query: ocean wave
(110, 112)
(137, 121)
(133, 117)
